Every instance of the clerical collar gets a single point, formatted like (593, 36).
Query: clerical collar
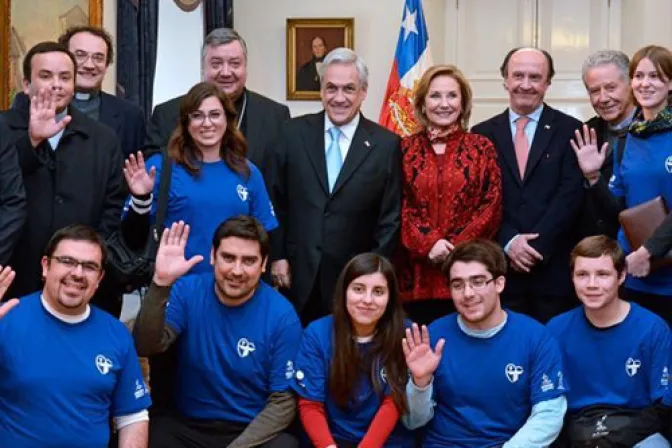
(86, 96)
(68, 319)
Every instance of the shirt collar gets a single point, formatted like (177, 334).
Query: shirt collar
(534, 116)
(348, 129)
(625, 123)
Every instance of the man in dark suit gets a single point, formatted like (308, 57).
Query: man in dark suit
(335, 181)
(12, 196)
(225, 64)
(71, 167)
(605, 75)
(542, 187)
(94, 52)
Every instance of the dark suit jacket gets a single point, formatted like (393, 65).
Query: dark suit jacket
(81, 182)
(264, 118)
(546, 201)
(12, 196)
(319, 232)
(125, 118)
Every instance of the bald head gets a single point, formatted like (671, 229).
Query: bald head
(527, 73)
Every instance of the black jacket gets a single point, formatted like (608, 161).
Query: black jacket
(12, 197)
(125, 118)
(263, 118)
(79, 182)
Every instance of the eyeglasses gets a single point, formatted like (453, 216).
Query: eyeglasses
(477, 282)
(97, 58)
(215, 116)
(89, 267)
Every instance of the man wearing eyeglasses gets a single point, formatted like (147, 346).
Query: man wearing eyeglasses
(68, 369)
(71, 165)
(94, 52)
(500, 382)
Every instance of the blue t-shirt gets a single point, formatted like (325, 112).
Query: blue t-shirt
(312, 383)
(485, 389)
(644, 173)
(625, 365)
(209, 198)
(231, 358)
(61, 383)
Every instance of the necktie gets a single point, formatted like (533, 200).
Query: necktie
(521, 144)
(334, 160)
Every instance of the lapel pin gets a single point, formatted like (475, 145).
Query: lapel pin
(546, 126)
(367, 144)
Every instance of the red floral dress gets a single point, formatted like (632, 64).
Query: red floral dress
(456, 196)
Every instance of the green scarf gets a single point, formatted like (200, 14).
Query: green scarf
(645, 128)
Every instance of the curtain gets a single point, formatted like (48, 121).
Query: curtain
(217, 14)
(137, 31)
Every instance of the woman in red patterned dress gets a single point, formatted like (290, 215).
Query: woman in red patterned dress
(452, 190)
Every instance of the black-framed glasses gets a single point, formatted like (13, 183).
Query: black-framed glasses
(89, 267)
(476, 282)
(215, 116)
(97, 58)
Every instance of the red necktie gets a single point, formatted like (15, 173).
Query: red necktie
(521, 144)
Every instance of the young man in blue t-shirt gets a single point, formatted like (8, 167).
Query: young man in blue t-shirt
(615, 353)
(67, 370)
(236, 338)
(500, 382)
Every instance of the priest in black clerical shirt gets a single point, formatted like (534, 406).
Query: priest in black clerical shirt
(225, 64)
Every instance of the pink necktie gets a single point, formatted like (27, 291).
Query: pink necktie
(521, 144)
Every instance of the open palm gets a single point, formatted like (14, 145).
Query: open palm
(588, 155)
(43, 123)
(421, 360)
(6, 277)
(171, 263)
(139, 181)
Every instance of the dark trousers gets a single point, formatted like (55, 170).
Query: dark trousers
(424, 312)
(658, 304)
(174, 431)
(317, 306)
(542, 307)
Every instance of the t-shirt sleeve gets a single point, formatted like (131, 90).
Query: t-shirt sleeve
(285, 342)
(660, 361)
(176, 309)
(130, 394)
(616, 182)
(262, 208)
(312, 368)
(547, 380)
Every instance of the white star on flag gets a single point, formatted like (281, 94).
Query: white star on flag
(408, 24)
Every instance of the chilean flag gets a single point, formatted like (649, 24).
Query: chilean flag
(411, 60)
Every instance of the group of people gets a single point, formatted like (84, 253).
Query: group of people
(454, 287)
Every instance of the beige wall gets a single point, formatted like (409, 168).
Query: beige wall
(110, 24)
(262, 23)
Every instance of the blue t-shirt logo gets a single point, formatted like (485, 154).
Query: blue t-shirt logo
(289, 370)
(561, 381)
(665, 377)
(242, 192)
(140, 389)
(632, 366)
(103, 364)
(668, 164)
(546, 383)
(245, 347)
(513, 372)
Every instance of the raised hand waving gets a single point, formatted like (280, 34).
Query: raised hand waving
(6, 278)
(170, 261)
(421, 360)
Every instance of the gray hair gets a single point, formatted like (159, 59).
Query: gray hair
(344, 55)
(604, 57)
(222, 36)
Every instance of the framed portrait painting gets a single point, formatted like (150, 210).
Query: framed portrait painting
(23, 23)
(308, 42)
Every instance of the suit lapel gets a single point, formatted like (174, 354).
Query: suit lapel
(314, 145)
(360, 147)
(109, 115)
(542, 136)
(504, 142)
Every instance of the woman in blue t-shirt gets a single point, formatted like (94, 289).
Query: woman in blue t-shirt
(642, 172)
(350, 368)
(211, 180)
